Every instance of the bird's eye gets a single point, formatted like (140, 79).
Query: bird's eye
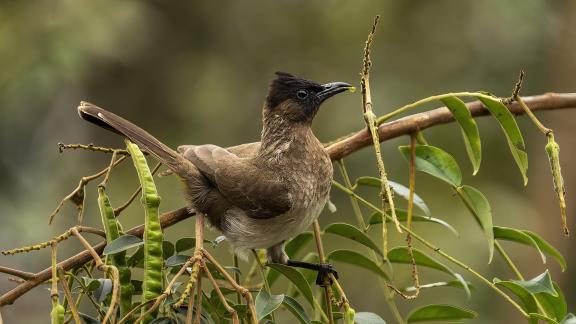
(302, 94)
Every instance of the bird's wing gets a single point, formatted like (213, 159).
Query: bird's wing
(260, 193)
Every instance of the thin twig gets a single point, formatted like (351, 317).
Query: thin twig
(111, 270)
(326, 283)
(18, 273)
(68, 295)
(229, 309)
(166, 220)
(243, 291)
(78, 194)
(370, 119)
(90, 147)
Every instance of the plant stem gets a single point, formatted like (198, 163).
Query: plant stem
(415, 104)
(388, 296)
(439, 251)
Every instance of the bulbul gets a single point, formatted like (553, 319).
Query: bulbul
(259, 195)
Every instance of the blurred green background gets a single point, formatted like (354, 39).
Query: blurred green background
(197, 72)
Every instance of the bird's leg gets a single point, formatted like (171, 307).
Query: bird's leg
(276, 254)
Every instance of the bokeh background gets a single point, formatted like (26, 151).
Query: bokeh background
(197, 72)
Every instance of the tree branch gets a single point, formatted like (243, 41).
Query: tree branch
(166, 220)
(416, 122)
(337, 151)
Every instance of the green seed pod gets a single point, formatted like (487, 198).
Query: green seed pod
(57, 313)
(349, 314)
(553, 151)
(153, 237)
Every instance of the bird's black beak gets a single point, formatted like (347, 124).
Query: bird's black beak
(333, 88)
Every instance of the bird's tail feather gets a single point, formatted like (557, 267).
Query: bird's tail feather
(105, 119)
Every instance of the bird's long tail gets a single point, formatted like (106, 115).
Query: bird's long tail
(172, 159)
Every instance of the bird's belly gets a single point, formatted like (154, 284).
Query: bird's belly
(245, 233)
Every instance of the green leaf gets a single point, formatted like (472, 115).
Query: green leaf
(296, 278)
(469, 129)
(513, 134)
(436, 162)
(453, 284)
(88, 319)
(188, 243)
(176, 260)
(122, 243)
(534, 317)
(440, 313)
(296, 309)
(399, 189)
(355, 258)
(352, 233)
(402, 215)
(401, 255)
(404, 192)
(553, 305)
(136, 259)
(266, 303)
(167, 249)
(548, 249)
(512, 234)
(540, 284)
(91, 283)
(527, 299)
(479, 206)
(368, 318)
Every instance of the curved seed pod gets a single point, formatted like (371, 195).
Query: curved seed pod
(153, 260)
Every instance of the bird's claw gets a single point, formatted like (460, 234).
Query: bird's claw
(324, 271)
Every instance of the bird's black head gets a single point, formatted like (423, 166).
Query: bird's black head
(299, 99)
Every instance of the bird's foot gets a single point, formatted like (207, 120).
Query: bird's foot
(324, 270)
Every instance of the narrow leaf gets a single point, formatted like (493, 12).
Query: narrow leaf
(296, 309)
(352, 233)
(176, 260)
(440, 313)
(401, 255)
(540, 284)
(527, 299)
(355, 258)
(296, 278)
(399, 189)
(436, 162)
(513, 134)
(479, 206)
(368, 318)
(404, 192)
(376, 218)
(548, 249)
(511, 234)
(266, 303)
(122, 243)
(469, 129)
(188, 243)
(554, 305)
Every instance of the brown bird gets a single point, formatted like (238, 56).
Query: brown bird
(262, 194)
